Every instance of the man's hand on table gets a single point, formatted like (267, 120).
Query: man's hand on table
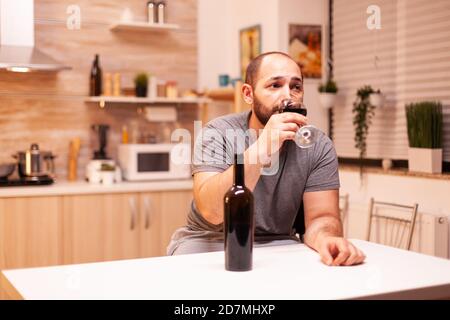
(337, 251)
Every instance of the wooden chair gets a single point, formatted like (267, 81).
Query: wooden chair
(391, 224)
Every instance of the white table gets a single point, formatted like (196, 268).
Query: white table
(281, 272)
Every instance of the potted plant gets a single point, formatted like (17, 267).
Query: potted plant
(327, 94)
(140, 82)
(424, 122)
(376, 99)
(363, 112)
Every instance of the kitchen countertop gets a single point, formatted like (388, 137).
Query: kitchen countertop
(82, 187)
(279, 272)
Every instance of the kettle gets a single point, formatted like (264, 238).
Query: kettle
(34, 162)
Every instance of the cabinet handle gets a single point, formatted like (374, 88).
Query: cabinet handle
(133, 213)
(147, 212)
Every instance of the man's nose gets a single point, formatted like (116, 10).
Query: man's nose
(286, 93)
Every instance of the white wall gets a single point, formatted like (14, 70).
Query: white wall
(214, 41)
(17, 23)
(246, 13)
(219, 25)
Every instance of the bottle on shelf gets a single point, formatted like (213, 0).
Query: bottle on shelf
(161, 12)
(171, 89)
(238, 221)
(96, 78)
(107, 84)
(116, 85)
(151, 11)
(124, 134)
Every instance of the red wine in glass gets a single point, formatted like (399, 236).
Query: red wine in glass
(306, 136)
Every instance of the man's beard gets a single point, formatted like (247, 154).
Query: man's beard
(261, 112)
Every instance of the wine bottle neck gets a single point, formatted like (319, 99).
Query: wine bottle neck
(239, 177)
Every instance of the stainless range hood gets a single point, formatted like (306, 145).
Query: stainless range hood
(17, 51)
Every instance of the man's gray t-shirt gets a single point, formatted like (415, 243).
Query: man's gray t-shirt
(277, 195)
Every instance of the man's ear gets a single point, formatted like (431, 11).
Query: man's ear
(247, 93)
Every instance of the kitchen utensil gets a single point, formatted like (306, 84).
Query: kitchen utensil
(34, 162)
(74, 148)
(94, 167)
(6, 169)
(102, 130)
(34, 181)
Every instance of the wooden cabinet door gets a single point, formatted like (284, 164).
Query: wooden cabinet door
(101, 227)
(150, 224)
(30, 232)
(175, 206)
(161, 214)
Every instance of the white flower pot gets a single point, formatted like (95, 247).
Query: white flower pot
(327, 100)
(376, 100)
(425, 160)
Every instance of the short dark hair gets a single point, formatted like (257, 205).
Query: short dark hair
(251, 73)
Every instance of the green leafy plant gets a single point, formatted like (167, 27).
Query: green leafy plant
(424, 123)
(363, 112)
(328, 87)
(107, 167)
(141, 80)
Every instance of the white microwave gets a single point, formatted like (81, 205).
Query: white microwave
(141, 162)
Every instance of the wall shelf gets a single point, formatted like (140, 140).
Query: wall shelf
(221, 94)
(102, 100)
(143, 26)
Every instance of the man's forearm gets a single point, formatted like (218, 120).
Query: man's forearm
(321, 227)
(212, 191)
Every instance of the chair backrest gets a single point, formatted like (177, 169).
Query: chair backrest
(299, 223)
(343, 206)
(391, 224)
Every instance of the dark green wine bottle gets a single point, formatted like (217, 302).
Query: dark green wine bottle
(238, 221)
(95, 84)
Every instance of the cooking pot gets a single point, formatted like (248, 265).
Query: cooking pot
(34, 162)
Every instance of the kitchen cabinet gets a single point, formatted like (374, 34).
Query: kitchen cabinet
(150, 224)
(100, 227)
(30, 232)
(175, 206)
(82, 228)
(162, 214)
(121, 226)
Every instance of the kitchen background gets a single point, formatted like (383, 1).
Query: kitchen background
(50, 108)
(407, 59)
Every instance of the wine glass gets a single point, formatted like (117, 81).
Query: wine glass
(307, 135)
